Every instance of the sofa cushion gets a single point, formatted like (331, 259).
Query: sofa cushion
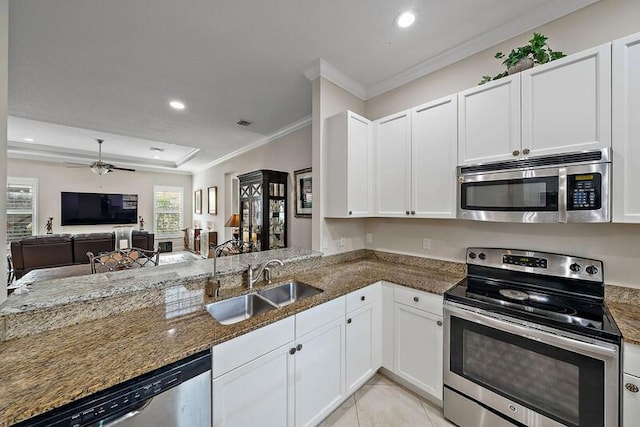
(91, 242)
(52, 250)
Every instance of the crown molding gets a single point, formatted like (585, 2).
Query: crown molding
(321, 68)
(536, 18)
(290, 128)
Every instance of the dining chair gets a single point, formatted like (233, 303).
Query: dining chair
(122, 259)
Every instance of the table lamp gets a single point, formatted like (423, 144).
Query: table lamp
(234, 221)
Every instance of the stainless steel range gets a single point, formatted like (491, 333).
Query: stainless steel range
(529, 341)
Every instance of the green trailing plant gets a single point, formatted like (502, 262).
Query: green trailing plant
(538, 51)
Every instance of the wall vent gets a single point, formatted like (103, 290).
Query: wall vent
(243, 123)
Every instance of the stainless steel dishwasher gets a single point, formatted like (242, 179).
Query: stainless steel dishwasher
(177, 395)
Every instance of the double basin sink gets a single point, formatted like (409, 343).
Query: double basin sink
(234, 310)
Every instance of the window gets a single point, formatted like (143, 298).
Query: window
(168, 211)
(22, 196)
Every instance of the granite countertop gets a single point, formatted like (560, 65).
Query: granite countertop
(624, 305)
(49, 369)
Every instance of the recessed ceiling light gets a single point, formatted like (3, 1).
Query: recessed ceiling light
(177, 105)
(156, 157)
(405, 19)
(28, 139)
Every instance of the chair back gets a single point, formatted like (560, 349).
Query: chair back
(234, 247)
(122, 259)
(10, 270)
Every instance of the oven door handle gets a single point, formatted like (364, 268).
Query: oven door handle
(562, 195)
(599, 351)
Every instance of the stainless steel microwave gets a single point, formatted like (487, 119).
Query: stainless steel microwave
(572, 187)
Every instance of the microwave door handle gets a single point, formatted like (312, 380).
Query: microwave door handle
(562, 195)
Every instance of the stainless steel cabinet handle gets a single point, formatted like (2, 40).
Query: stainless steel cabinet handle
(406, 212)
(299, 347)
(631, 387)
(350, 213)
(516, 152)
(526, 151)
(362, 298)
(349, 320)
(413, 212)
(416, 299)
(292, 350)
(439, 323)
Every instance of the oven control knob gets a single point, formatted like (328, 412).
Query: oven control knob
(592, 269)
(482, 256)
(472, 255)
(575, 267)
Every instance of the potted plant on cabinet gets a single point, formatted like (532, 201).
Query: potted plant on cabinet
(524, 57)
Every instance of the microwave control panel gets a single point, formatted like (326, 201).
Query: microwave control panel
(583, 192)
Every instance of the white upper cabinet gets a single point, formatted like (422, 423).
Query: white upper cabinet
(626, 129)
(434, 137)
(393, 164)
(566, 104)
(348, 166)
(489, 122)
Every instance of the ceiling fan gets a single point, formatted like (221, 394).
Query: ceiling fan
(100, 168)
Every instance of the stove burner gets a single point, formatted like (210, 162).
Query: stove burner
(513, 294)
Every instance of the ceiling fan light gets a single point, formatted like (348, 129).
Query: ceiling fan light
(100, 169)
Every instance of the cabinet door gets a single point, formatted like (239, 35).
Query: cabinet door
(434, 148)
(393, 165)
(362, 346)
(566, 104)
(626, 129)
(489, 122)
(630, 401)
(359, 162)
(418, 348)
(319, 373)
(257, 393)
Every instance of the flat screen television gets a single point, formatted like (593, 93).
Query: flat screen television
(98, 208)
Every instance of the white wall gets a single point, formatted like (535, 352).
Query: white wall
(288, 153)
(618, 245)
(4, 68)
(54, 178)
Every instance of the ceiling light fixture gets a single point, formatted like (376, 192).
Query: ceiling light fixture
(405, 19)
(177, 105)
(28, 139)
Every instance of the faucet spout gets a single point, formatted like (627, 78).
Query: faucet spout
(254, 276)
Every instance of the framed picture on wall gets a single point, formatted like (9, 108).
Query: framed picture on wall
(213, 200)
(197, 201)
(304, 192)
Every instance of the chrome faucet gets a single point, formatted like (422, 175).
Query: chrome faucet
(253, 277)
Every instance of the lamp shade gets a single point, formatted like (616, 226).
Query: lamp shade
(233, 221)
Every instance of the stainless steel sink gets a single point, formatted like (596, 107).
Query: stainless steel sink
(289, 292)
(240, 308)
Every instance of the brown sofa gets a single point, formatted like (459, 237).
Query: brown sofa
(57, 250)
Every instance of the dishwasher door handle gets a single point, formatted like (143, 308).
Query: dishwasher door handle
(128, 415)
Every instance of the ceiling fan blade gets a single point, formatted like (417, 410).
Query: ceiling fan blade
(74, 165)
(123, 169)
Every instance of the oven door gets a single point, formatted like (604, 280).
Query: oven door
(532, 376)
(518, 196)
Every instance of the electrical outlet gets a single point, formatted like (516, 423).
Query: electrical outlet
(369, 237)
(342, 241)
(426, 244)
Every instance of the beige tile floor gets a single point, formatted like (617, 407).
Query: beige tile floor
(383, 403)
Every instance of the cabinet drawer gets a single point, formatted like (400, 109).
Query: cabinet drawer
(631, 359)
(316, 317)
(243, 349)
(418, 299)
(362, 297)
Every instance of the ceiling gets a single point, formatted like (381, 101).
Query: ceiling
(86, 69)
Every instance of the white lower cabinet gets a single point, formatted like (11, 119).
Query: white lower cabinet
(630, 387)
(364, 339)
(319, 373)
(418, 339)
(257, 393)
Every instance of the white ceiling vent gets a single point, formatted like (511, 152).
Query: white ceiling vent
(156, 149)
(244, 123)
